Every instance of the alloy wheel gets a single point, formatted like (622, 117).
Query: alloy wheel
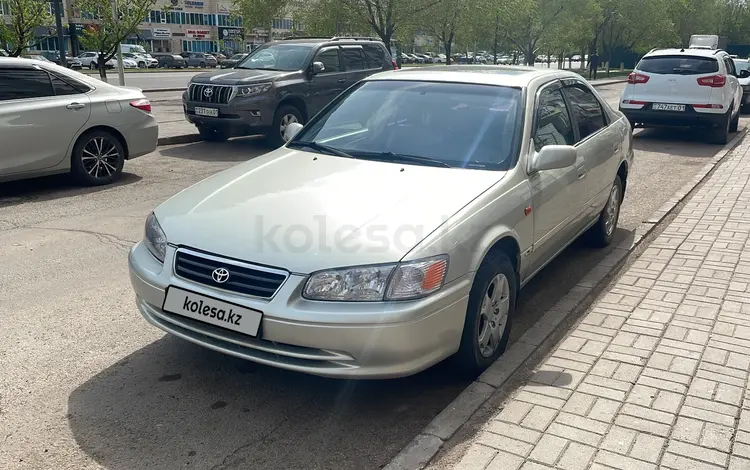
(285, 121)
(493, 316)
(613, 208)
(100, 158)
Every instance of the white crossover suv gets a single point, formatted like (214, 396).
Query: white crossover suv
(685, 87)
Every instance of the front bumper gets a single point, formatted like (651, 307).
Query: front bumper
(330, 339)
(688, 118)
(241, 116)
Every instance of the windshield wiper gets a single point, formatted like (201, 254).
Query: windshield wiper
(400, 157)
(319, 147)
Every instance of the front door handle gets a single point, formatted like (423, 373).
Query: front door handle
(581, 175)
(341, 80)
(76, 106)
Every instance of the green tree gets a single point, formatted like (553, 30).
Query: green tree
(526, 22)
(26, 16)
(259, 14)
(327, 18)
(109, 29)
(386, 16)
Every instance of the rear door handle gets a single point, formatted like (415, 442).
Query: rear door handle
(341, 80)
(76, 106)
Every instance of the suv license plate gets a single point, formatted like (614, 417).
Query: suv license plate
(211, 112)
(667, 107)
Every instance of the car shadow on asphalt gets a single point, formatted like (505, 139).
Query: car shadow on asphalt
(48, 188)
(234, 150)
(672, 141)
(173, 404)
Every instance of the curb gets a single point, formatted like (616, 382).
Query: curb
(179, 139)
(423, 448)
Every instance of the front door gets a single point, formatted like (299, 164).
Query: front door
(328, 84)
(40, 115)
(557, 195)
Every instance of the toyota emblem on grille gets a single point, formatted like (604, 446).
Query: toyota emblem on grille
(220, 275)
(208, 92)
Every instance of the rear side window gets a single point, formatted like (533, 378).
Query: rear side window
(678, 65)
(353, 58)
(586, 109)
(24, 84)
(375, 56)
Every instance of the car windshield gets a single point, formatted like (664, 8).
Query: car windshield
(678, 64)
(439, 124)
(286, 57)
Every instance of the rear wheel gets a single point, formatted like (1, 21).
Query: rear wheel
(492, 302)
(735, 123)
(213, 134)
(602, 233)
(202, 65)
(98, 158)
(720, 134)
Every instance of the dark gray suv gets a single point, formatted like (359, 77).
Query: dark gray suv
(280, 83)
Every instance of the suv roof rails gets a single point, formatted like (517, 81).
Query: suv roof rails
(347, 38)
(654, 49)
(291, 38)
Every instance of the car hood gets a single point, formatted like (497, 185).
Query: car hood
(305, 212)
(239, 76)
(744, 81)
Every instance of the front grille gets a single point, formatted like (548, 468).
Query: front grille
(217, 94)
(247, 279)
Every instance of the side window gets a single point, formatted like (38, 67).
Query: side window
(374, 56)
(24, 84)
(62, 87)
(353, 58)
(330, 59)
(730, 66)
(553, 121)
(586, 109)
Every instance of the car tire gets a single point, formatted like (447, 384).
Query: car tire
(720, 134)
(213, 134)
(603, 231)
(98, 158)
(735, 123)
(285, 115)
(141, 65)
(202, 65)
(492, 303)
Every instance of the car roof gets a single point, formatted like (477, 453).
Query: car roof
(341, 40)
(687, 52)
(511, 76)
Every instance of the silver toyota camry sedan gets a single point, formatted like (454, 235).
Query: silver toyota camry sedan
(395, 229)
(56, 120)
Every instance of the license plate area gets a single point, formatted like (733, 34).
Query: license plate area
(213, 311)
(668, 107)
(210, 112)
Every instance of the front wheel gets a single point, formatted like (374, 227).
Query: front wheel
(492, 303)
(603, 231)
(98, 158)
(285, 115)
(202, 65)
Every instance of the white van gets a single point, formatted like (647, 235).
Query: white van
(133, 49)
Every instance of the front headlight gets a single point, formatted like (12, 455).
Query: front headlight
(401, 281)
(154, 238)
(253, 89)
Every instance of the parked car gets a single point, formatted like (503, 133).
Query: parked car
(199, 59)
(89, 61)
(743, 76)
(142, 61)
(501, 171)
(232, 61)
(54, 56)
(279, 83)
(170, 61)
(62, 121)
(685, 87)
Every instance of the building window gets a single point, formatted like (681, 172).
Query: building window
(199, 46)
(4, 8)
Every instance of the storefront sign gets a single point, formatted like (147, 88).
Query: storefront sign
(162, 33)
(231, 33)
(193, 4)
(198, 33)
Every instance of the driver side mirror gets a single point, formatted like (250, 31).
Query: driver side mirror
(291, 130)
(318, 67)
(744, 73)
(553, 157)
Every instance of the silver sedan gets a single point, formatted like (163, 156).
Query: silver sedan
(395, 229)
(55, 120)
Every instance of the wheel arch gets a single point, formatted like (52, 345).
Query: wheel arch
(622, 172)
(118, 135)
(297, 102)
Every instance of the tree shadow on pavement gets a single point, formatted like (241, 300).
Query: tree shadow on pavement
(53, 187)
(234, 150)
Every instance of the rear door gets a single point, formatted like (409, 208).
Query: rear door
(673, 79)
(41, 114)
(355, 63)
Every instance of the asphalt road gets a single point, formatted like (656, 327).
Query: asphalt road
(85, 382)
(180, 79)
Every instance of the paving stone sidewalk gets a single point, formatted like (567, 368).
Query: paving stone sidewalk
(656, 374)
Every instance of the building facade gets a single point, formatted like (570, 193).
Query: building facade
(174, 26)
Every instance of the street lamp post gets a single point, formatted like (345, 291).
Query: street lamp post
(60, 36)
